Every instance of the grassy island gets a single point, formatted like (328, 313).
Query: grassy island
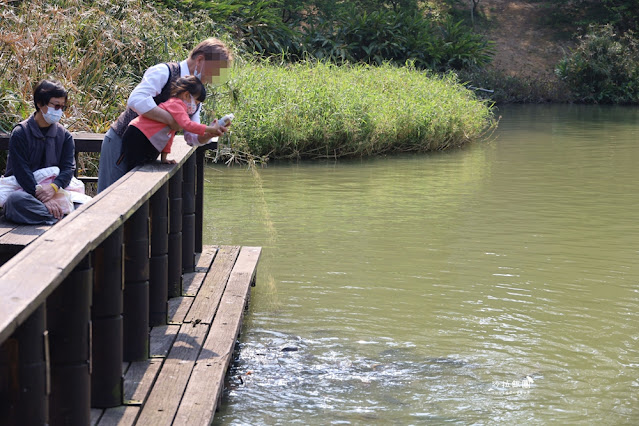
(317, 110)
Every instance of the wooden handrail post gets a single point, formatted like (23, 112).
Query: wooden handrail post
(23, 368)
(159, 275)
(188, 215)
(107, 323)
(136, 285)
(199, 198)
(68, 323)
(175, 234)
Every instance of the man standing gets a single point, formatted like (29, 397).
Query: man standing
(207, 61)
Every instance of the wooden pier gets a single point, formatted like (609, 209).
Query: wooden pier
(182, 380)
(118, 315)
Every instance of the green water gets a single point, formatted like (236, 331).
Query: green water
(489, 285)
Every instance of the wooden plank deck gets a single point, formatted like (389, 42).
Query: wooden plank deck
(183, 380)
(14, 237)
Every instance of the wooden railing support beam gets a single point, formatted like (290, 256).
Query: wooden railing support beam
(68, 323)
(175, 235)
(159, 274)
(107, 322)
(23, 367)
(136, 285)
(188, 215)
(199, 198)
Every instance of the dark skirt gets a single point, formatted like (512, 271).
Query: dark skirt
(136, 148)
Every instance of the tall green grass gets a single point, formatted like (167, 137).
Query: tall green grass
(314, 110)
(98, 49)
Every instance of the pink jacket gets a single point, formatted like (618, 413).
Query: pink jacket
(159, 134)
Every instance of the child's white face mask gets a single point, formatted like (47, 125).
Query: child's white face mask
(191, 106)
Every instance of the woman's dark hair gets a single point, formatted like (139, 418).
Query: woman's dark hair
(47, 89)
(190, 84)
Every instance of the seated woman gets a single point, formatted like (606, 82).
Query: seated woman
(36, 143)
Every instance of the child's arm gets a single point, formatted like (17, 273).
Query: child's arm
(176, 108)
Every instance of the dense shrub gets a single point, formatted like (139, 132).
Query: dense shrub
(398, 38)
(256, 26)
(301, 10)
(622, 15)
(363, 31)
(604, 67)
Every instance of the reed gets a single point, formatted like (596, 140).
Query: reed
(97, 49)
(316, 110)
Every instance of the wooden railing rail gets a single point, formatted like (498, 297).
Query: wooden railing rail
(84, 141)
(74, 304)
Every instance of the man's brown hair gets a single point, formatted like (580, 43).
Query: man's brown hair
(213, 49)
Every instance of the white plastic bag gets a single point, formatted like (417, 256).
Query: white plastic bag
(73, 193)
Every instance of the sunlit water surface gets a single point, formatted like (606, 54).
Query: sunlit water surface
(494, 284)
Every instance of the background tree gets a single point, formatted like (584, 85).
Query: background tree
(604, 67)
(473, 11)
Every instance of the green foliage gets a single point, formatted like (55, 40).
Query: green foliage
(98, 49)
(463, 49)
(623, 15)
(604, 67)
(301, 10)
(316, 109)
(396, 37)
(367, 31)
(256, 25)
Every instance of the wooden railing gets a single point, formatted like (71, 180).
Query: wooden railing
(84, 142)
(78, 300)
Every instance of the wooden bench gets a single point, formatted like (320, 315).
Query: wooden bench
(14, 237)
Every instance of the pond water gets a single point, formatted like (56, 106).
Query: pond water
(493, 284)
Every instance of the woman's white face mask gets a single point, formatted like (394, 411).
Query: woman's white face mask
(52, 115)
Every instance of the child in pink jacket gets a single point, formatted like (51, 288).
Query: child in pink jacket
(144, 139)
